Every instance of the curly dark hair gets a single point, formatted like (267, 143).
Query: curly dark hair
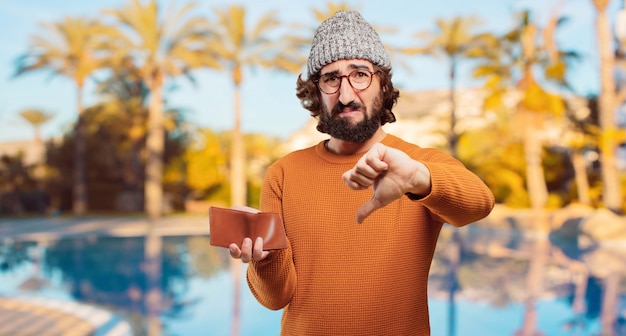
(310, 95)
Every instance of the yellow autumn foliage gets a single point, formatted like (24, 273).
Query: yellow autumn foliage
(536, 99)
(206, 162)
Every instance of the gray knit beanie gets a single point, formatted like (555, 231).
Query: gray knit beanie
(345, 35)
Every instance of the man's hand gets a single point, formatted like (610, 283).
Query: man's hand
(391, 173)
(248, 251)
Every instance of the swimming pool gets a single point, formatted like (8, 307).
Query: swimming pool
(481, 283)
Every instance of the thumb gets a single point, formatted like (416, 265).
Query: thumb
(367, 209)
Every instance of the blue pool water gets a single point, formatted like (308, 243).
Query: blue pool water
(493, 284)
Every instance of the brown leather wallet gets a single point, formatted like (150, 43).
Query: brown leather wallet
(227, 226)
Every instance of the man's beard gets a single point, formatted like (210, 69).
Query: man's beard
(341, 128)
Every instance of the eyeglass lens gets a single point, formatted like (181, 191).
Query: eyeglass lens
(359, 79)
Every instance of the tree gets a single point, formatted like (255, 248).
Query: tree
(36, 118)
(205, 162)
(498, 159)
(115, 129)
(607, 105)
(122, 100)
(582, 135)
(239, 47)
(520, 58)
(162, 48)
(68, 49)
(19, 187)
(455, 40)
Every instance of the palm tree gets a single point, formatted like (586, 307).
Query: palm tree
(68, 50)
(455, 40)
(123, 97)
(515, 59)
(36, 118)
(239, 47)
(583, 133)
(162, 48)
(607, 104)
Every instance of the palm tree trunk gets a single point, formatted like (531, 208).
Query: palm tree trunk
(610, 304)
(155, 143)
(580, 175)
(237, 197)
(453, 137)
(38, 139)
(611, 196)
(535, 179)
(153, 299)
(238, 157)
(79, 269)
(581, 281)
(235, 269)
(454, 250)
(534, 281)
(79, 194)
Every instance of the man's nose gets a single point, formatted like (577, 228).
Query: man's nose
(346, 91)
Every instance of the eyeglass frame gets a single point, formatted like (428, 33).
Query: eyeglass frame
(372, 73)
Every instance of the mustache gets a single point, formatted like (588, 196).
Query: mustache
(340, 106)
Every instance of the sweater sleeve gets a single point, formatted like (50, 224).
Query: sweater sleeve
(458, 196)
(273, 280)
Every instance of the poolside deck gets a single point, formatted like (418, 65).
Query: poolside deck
(24, 316)
(50, 228)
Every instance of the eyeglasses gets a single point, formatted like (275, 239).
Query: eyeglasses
(359, 80)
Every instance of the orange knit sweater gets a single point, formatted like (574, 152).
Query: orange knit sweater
(342, 278)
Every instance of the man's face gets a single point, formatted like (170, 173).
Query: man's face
(351, 114)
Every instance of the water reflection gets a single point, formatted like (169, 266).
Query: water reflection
(140, 278)
(504, 268)
(483, 282)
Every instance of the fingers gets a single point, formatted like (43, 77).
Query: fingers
(367, 209)
(248, 252)
(257, 250)
(375, 162)
(244, 253)
(235, 252)
(351, 181)
(365, 172)
(246, 248)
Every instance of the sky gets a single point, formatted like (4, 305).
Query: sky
(269, 104)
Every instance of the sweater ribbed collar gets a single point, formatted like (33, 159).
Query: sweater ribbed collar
(325, 154)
